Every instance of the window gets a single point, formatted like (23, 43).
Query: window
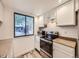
(23, 25)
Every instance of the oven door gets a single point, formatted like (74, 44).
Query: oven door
(46, 47)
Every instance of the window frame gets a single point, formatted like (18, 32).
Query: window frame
(25, 24)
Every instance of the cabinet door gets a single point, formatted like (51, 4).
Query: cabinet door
(66, 14)
(59, 54)
(65, 49)
(61, 51)
(41, 21)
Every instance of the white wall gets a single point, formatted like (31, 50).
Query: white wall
(1, 18)
(23, 45)
(20, 45)
(1, 11)
(63, 31)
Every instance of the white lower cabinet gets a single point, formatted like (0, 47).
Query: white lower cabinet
(62, 51)
(59, 54)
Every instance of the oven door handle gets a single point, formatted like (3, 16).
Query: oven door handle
(50, 42)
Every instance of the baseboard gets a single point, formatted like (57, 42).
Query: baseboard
(37, 50)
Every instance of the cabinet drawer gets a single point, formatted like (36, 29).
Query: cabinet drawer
(68, 50)
(59, 54)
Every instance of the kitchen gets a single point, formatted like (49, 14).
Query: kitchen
(66, 31)
(58, 25)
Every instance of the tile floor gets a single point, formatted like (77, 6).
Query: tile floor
(34, 54)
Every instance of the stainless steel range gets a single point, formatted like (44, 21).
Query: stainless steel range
(46, 47)
(46, 43)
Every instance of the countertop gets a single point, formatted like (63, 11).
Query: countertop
(65, 42)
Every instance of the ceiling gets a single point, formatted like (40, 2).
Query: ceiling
(35, 7)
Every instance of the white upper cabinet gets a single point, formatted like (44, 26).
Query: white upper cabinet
(76, 5)
(41, 21)
(66, 14)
